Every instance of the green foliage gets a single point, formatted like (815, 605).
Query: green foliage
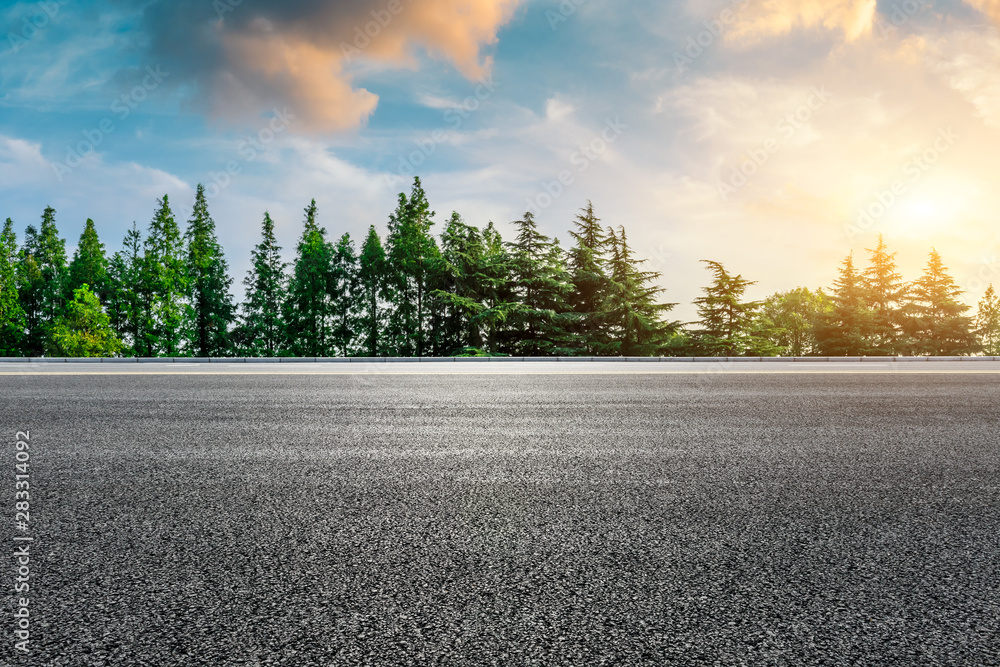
(308, 307)
(89, 265)
(344, 306)
(727, 322)
(846, 329)
(590, 282)
(790, 320)
(538, 325)
(414, 268)
(41, 282)
(12, 319)
(467, 293)
(130, 299)
(635, 319)
(262, 331)
(936, 321)
(374, 291)
(988, 323)
(470, 300)
(85, 330)
(165, 278)
(885, 295)
(211, 310)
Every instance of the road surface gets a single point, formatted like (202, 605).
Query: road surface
(312, 515)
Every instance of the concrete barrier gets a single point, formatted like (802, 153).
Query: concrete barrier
(369, 360)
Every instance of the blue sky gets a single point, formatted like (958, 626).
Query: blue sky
(773, 135)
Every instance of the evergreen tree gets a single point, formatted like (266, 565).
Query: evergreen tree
(498, 295)
(41, 282)
(937, 321)
(30, 284)
(85, 330)
(12, 319)
(344, 306)
(373, 286)
(590, 283)
(130, 300)
(635, 317)
(845, 331)
(211, 309)
(726, 320)
(988, 323)
(414, 262)
(52, 263)
(538, 325)
(468, 288)
(885, 294)
(89, 265)
(791, 320)
(308, 306)
(266, 283)
(165, 277)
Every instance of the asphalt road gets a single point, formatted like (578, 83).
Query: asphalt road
(508, 519)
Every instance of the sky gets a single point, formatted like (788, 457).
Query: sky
(775, 136)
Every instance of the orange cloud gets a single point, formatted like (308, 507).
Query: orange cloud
(306, 65)
(989, 7)
(773, 18)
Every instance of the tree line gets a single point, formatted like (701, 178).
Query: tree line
(465, 291)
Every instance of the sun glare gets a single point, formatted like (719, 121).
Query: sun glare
(929, 209)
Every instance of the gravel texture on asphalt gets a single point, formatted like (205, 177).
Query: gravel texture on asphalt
(509, 519)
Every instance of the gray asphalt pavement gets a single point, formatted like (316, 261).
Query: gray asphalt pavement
(506, 519)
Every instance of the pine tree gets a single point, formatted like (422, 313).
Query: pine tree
(41, 282)
(89, 265)
(130, 299)
(538, 325)
(165, 277)
(308, 306)
(52, 262)
(498, 296)
(29, 289)
(266, 283)
(726, 320)
(373, 286)
(211, 309)
(466, 285)
(344, 307)
(12, 319)
(885, 294)
(85, 330)
(937, 321)
(590, 283)
(414, 262)
(635, 317)
(988, 323)
(847, 329)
